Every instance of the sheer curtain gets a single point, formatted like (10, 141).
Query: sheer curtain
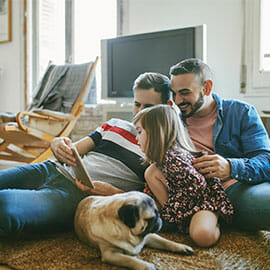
(76, 26)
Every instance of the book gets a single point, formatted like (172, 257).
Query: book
(80, 170)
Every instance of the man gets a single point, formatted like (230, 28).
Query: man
(237, 143)
(158, 92)
(149, 89)
(43, 197)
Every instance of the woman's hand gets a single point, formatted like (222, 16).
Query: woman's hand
(100, 188)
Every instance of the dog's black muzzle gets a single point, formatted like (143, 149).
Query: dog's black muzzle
(154, 224)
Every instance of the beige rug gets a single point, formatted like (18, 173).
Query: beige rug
(235, 250)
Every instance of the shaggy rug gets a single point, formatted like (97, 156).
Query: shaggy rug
(64, 252)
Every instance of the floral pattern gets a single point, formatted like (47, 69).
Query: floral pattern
(189, 192)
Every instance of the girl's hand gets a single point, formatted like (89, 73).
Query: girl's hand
(100, 188)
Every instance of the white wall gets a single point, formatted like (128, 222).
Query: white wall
(12, 64)
(224, 20)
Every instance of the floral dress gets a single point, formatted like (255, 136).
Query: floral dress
(189, 192)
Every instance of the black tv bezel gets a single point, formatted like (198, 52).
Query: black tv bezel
(198, 34)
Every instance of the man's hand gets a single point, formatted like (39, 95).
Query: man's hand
(61, 148)
(213, 166)
(100, 188)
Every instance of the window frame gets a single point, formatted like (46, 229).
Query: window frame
(33, 10)
(257, 81)
(32, 52)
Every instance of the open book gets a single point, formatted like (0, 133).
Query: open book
(80, 170)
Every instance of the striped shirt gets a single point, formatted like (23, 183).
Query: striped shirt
(116, 157)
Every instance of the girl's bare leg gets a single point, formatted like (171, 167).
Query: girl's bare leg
(204, 229)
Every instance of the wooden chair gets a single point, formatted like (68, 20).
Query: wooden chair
(56, 107)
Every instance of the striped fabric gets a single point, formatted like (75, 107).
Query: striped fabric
(116, 158)
(117, 139)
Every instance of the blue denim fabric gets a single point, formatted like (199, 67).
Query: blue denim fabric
(251, 204)
(239, 136)
(36, 199)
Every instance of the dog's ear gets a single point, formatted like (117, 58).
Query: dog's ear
(129, 214)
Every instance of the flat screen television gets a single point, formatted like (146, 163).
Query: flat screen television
(125, 57)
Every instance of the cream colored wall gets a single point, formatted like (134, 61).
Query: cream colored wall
(224, 20)
(12, 64)
(224, 42)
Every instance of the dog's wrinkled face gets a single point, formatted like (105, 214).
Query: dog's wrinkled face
(140, 214)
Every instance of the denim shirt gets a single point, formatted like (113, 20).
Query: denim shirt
(240, 137)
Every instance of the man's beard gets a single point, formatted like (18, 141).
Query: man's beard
(194, 108)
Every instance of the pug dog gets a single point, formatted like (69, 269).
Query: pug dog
(121, 225)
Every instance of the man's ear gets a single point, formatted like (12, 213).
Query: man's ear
(208, 87)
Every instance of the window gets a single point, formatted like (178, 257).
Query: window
(93, 21)
(68, 31)
(265, 37)
(257, 47)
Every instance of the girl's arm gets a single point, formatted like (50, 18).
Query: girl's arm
(157, 183)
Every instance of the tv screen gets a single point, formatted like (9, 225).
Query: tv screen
(124, 58)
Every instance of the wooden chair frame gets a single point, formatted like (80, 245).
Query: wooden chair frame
(31, 144)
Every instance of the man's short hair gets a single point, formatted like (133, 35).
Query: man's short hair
(193, 65)
(158, 81)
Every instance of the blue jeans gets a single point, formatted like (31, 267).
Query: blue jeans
(36, 199)
(251, 204)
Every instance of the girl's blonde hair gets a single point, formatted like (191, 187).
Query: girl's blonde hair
(164, 130)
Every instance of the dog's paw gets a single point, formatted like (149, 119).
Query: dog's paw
(181, 248)
(187, 250)
(149, 266)
(143, 265)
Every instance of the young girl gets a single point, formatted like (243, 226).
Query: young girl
(186, 198)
